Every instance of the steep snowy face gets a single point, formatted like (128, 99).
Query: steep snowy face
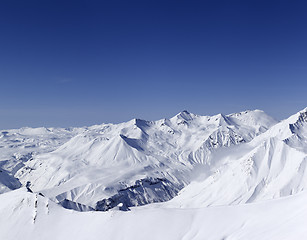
(298, 129)
(102, 160)
(272, 165)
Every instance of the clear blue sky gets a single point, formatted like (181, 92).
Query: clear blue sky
(74, 63)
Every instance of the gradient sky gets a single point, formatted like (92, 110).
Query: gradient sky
(75, 63)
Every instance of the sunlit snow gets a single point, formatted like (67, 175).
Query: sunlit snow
(236, 176)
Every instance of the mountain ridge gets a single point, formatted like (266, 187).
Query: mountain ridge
(196, 172)
(94, 163)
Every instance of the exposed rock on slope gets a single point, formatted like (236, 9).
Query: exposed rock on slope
(144, 191)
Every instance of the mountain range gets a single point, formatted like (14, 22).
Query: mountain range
(235, 176)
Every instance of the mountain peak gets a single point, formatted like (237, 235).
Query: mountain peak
(253, 118)
(304, 110)
(298, 117)
(185, 115)
(185, 112)
(222, 119)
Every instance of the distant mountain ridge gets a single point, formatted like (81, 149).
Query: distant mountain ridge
(134, 178)
(87, 165)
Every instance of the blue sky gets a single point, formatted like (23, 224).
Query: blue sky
(75, 63)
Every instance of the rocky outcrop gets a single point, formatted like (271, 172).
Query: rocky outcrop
(144, 191)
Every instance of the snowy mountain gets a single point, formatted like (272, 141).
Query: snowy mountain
(192, 166)
(102, 160)
(17, 146)
(272, 165)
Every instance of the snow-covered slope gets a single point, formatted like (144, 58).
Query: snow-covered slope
(272, 165)
(29, 216)
(236, 176)
(96, 164)
(17, 146)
